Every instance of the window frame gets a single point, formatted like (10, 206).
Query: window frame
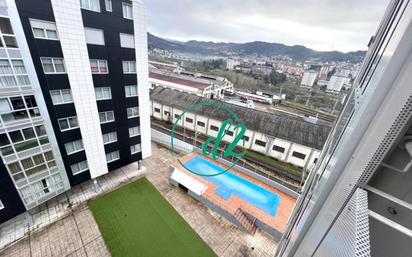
(134, 116)
(60, 91)
(67, 119)
(88, 1)
(54, 65)
(128, 67)
(99, 67)
(111, 155)
(106, 5)
(44, 29)
(134, 147)
(261, 145)
(111, 141)
(80, 170)
(127, 90)
(127, 5)
(105, 113)
(296, 154)
(278, 148)
(102, 92)
(133, 129)
(73, 143)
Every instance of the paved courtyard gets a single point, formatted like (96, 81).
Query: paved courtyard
(65, 226)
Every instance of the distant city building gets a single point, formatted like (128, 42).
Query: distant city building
(308, 79)
(193, 83)
(261, 70)
(231, 64)
(336, 83)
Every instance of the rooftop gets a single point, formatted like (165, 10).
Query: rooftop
(174, 78)
(278, 125)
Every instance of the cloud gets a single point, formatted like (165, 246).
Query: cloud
(319, 24)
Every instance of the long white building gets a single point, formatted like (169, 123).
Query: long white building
(336, 83)
(192, 83)
(284, 137)
(309, 78)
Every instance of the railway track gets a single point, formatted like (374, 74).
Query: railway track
(322, 116)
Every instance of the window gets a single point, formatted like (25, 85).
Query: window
(260, 143)
(176, 115)
(278, 149)
(246, 138)
(158, 111)
(189, 120)
(201, 124)
(94, 36)
(315, 161)
(127, 11)
(108, 4)
(126, 40)
(53, 65)
(214, 128)
(103, 93)
(62, 96)
(44, 29)
(8, 34)
(131, 91)
(68, 123)
(135, 131)
(129, 67)
(133, 112)
(299, 155)
(91, 5)
(74, 147)
(1, 205)
(99, 66)
(5, 26)
(79, 167)
(135, 149)
(106, 117)
(167, 113)
(109, 137)
(113, 156)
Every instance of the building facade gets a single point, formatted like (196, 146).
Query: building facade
(308, 79)
(193, 83)
(74, 91)
(336, 83)
(279, 136)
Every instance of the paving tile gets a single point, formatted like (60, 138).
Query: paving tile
(63, 231)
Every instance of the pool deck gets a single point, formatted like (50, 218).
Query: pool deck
(284, 209)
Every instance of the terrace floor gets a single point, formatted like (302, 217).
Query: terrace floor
(73, 231)
(278, 221)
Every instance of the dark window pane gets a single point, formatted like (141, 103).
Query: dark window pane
(16, 136)
(17, 103)
(4, 140)
(30, 101)
(28, 133)
(5, 26)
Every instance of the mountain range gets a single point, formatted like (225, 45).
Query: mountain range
(202, 49)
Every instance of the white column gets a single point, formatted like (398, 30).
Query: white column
(69, 24)
(142, 69)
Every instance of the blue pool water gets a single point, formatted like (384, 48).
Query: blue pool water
(229, 184)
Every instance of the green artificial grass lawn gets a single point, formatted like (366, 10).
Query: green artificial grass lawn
(136, 220)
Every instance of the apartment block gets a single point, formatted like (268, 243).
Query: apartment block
(74, 95)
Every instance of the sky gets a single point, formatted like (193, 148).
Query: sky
(325, 25)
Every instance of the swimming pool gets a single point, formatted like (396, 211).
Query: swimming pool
(229, 184)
